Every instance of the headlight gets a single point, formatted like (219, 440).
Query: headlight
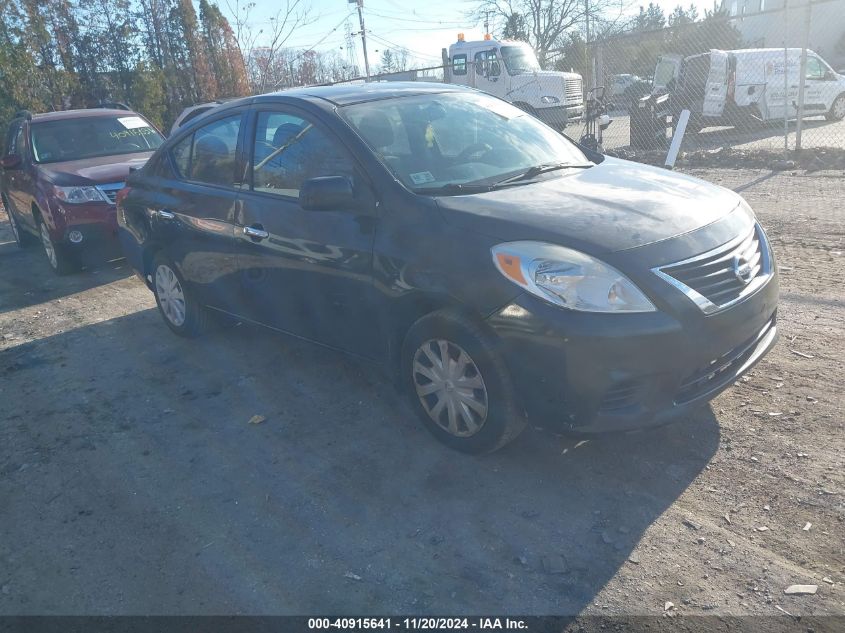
(568, 278)
(549, 99)
(77, 195)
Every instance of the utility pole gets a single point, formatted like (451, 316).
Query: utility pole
(487, 22)
(360, 4)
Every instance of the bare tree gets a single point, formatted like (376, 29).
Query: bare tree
(261, 47)
(545, 23)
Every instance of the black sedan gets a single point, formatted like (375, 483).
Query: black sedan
(499, 271)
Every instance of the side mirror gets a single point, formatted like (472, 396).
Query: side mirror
(11, 161)
(327, 193)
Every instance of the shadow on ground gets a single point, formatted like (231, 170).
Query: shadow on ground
(27, 279)
(137, 486)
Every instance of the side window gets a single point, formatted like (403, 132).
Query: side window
(459, 65)
(181, 155)
(486, 64)
(209, 155)
(815, 70)
(289, 150)
(14, 138)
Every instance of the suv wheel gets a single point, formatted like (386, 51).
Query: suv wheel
(459, 385)
(181, 311)
(60, 260)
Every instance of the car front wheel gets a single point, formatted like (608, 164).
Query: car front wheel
(180, 309)
(459, 384)
(60, 260)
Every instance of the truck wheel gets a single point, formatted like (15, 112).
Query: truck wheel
(459, 384)
(181, 310)
(837, 110)
(60, 260)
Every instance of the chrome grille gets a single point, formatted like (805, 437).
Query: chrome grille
(721, 277)
(110, 190)
(573, 90)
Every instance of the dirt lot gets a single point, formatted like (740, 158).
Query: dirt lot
(131, 482)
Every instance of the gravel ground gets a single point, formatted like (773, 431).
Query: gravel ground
(131, 482)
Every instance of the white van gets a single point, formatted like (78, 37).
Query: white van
(734, 87)
(509, 69)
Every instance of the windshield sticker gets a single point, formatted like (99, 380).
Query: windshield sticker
(422, 177)
(132, 122)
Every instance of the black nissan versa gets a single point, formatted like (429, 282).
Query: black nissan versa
(500, 271)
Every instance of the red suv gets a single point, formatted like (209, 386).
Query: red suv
(61, 172)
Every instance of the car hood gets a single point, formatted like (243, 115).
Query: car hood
(615, 205)
(97, 171)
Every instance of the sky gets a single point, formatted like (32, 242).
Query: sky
(422, 27)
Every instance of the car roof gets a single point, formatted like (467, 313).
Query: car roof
(79, 114)
(347, 94)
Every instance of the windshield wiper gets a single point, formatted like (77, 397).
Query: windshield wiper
(536, 170)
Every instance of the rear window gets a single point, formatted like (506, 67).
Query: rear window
(90, 137)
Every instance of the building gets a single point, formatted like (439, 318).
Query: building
(776, 23)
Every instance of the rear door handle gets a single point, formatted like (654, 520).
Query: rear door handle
(256, 232)
(164, 214)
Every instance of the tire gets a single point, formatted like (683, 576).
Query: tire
(178, 306)
(61, 261)
(484, 414)
(837, 110)
(22, 238)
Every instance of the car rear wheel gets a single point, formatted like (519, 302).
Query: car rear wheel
(60, 260)
(180, 309)
(837, 110)
(459, 384)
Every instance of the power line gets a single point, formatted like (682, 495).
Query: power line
(395, 45)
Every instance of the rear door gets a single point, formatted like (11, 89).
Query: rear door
(308, 273)
(716, 86)
(192, 213)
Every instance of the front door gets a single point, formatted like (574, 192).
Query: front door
(308, 273)
(820, 87)
(488, 73)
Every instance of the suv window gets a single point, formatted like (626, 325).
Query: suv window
(289, 150)
(14, 138)
(209, 155)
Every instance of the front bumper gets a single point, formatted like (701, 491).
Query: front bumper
(612, 372)
(559, 116)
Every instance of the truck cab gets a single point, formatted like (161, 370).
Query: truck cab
(510, 70)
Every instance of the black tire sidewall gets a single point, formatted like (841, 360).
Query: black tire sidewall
(194, 323)
(505, 418)
(65, 262)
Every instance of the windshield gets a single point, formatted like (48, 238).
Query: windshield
(89, 137)
(519, 59)
(664, 73)
(434, 141)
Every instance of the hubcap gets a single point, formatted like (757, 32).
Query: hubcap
(839, 108)
(450, 387)
(170, 295)
(48, 246)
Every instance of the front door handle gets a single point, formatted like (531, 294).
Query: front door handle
(256, 232)
(164, 214)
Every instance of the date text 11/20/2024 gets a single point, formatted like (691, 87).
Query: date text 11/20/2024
(418, 623)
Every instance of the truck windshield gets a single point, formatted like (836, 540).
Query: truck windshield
(519, 59)
(664, 73)
(459, 142)
(92, 136)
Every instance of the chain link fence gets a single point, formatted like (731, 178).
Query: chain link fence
(759, 84)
